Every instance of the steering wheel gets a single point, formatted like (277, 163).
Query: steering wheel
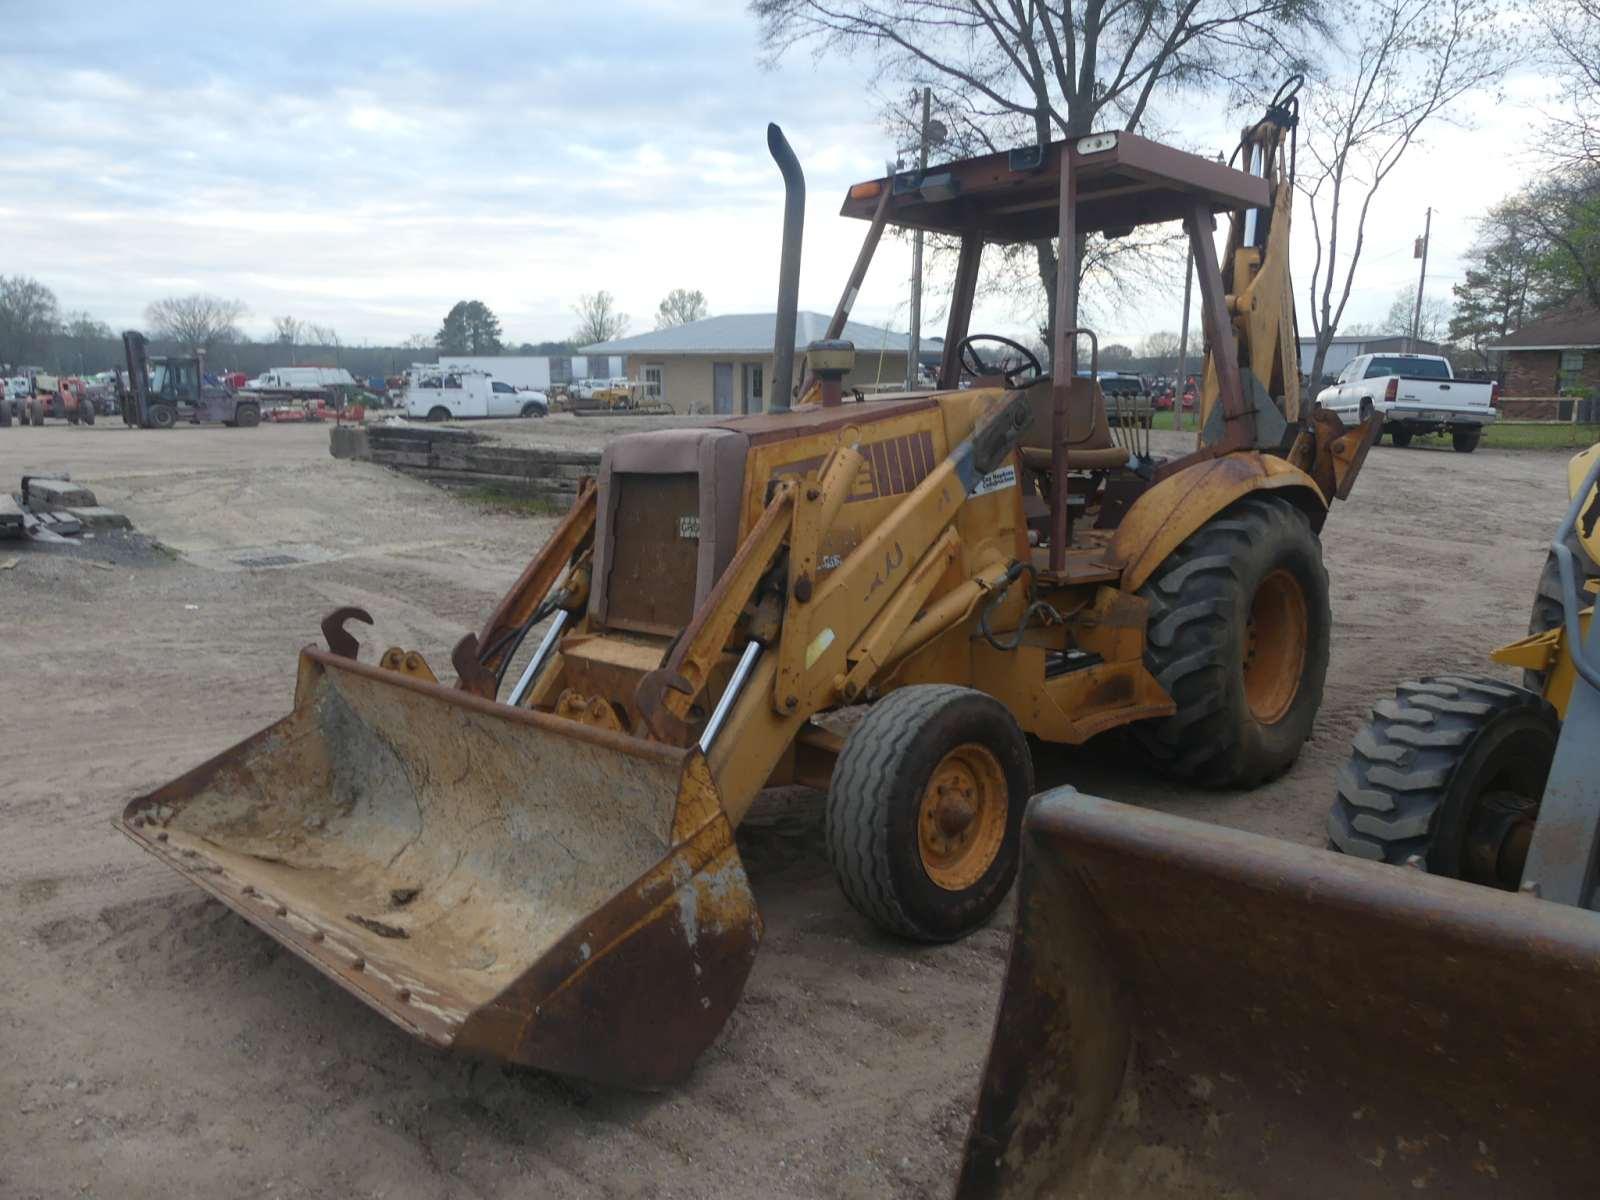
(972, 362)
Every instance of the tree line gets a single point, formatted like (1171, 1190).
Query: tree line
(35, 331)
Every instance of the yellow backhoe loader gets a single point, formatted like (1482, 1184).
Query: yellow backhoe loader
(1193, 1011)
(536, 861)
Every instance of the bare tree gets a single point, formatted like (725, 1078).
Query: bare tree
(196, 322)
(28, 316)
(418, 341)
(1408, 62)
(681, 307)
(1572, 30)
(1012, 71)
(598, 319)
(1433, 321)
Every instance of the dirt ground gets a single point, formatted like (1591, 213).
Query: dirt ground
(154, 1045)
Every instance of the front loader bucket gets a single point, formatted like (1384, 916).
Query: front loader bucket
(493, 880)
(1193, 1011)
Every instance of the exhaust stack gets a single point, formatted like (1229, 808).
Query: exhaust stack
(794, 219)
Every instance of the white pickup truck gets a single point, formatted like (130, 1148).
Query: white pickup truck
(1416, 393)
(451, 393)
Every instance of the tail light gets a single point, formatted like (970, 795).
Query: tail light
(1390, 392)
(1494, 395)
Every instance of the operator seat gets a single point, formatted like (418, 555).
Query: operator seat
(1088, 433)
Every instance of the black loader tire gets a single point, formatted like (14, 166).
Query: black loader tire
(86, 412)
(1201, 645)
(36, 412)
(1446, 752)
(5, 410)
(247, 416)
(879, 802)
(1465, 440)
(1400, 436)
(1547, 610)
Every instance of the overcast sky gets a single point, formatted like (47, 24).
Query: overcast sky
(364, 165)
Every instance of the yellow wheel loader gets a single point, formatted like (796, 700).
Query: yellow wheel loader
(535, 862)
(1193, 1011)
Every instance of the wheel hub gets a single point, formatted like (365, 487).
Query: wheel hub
(961, 820)
(1273, 649)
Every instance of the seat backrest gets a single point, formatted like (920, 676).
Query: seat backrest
(1087, 426)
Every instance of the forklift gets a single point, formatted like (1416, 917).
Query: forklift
(159, 391)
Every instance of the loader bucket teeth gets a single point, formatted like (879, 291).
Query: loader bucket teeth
(1194, 1011)
(493, 880)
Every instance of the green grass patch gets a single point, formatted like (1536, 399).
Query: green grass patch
(499, 498)
(1541, 435)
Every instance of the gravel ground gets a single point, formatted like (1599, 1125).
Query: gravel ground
(157, 1046)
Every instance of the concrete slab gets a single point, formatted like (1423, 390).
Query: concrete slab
(11, 525)
(48, 495)
(97, 516)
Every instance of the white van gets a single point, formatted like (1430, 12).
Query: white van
(454, 394)
(300, 379)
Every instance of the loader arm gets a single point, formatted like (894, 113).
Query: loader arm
(827, 636)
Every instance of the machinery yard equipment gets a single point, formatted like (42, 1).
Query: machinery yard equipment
(629, 398)
(536, 862)
(64, 398)
(1194, 1011)
(161, 391)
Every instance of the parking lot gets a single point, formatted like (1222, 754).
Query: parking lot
(157, 1045)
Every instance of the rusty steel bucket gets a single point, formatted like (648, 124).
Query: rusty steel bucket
(493, 880)
(1193, 1011)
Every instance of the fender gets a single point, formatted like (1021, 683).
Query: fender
(1161, 519)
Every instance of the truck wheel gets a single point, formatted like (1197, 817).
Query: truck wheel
(1400, 436)
(1465, 440)
(1238, 637)
(36, 412)
(925, 810)
(162, 416)
(247, 416)
(86, 414)
(439, 413)
(1547, 608)
(1451, 770)
(532, 410)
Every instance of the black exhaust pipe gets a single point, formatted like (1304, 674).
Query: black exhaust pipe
(794, 220)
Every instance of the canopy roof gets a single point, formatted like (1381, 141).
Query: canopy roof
(1122, 180)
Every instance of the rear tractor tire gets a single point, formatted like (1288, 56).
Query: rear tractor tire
(36, 412)
(86, 413)
(1448, 775)
(1465, 440)
(924, 813)
(1400, 436)
(1238, 637)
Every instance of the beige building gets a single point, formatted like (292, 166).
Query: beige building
(724, 364)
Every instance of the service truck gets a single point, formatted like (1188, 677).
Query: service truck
(1415, 393)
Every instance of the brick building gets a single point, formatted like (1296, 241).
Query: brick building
(1555, 354)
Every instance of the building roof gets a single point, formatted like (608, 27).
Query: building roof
(751, 333)
(1576, 327)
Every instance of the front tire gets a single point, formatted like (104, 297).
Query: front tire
(925, 810)
(438, 413)
(1451, 770)
(247, 416)
(36, 412)
(86, 413)
(1238, 636)
(1465, 440)
(1400, 436)
(162, 416)
(532, 410)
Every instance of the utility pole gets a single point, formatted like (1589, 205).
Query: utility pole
(1420, 250)
(1183, 346)
(914, 344)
